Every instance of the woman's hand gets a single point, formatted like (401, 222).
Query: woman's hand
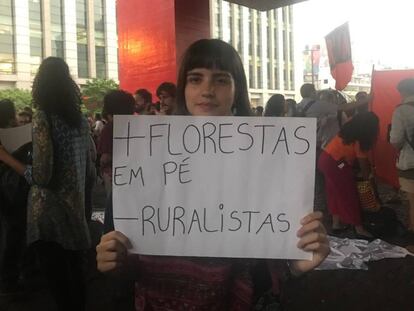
(313, 238)
(9, 160)
(112, 251)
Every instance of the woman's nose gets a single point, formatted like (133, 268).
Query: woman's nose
(208, 88)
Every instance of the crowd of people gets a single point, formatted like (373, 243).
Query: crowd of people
(51, 203)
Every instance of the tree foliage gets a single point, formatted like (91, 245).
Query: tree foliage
(20, 97)
(94, 91)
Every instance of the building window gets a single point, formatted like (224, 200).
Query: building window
(57, 32)
(285, 46)
(269, 75)
(269, 38)
(277, 80)
(284, 15)
(259, 77)
(276, 43)
(240, 34)
(36, 34)
(83, 67)
(82, 38)
(251, 32)
(285, 79)
(7, 60)
(100, 62)
(100, 51)
(231, 41)
(218, 18)
(292, 80)
(251, 74)
(259, 36)
(290, 47)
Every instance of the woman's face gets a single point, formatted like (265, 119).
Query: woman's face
(209, 92)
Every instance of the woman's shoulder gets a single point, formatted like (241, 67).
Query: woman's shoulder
(40, 119)
(39, 115)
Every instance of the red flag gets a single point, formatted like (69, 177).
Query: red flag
(338, 44)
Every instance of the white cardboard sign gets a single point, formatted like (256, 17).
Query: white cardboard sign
(15, 137)
(213, 186)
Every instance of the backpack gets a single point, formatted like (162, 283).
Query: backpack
(301, 113)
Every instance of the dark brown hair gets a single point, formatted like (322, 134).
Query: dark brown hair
(214, 54)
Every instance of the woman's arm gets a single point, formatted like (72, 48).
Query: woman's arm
(42, 168)
(9, 160)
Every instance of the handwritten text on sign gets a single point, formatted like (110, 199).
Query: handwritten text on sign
(214, 187)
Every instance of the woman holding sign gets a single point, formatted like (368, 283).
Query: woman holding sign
(211, 82)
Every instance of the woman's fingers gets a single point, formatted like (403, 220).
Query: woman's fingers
(311, 217)
(312, 226)
(312, 237)
(119, 236)
(112, 251)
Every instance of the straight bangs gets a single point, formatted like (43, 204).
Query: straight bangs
(212, 56)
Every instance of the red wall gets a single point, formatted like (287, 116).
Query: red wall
(192, 23)
(146, 41)
(385, 99)
(152, 35)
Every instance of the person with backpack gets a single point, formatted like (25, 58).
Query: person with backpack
(322, 110)
(402, 138)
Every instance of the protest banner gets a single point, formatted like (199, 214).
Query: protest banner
(213, 186)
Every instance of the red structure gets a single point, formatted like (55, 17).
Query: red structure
(152, 36)
(385, 99)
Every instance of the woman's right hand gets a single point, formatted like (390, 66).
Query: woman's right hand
(112, 251)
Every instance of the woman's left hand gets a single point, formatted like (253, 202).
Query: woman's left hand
(313, 238)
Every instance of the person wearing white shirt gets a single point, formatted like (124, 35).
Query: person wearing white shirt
(98, 126)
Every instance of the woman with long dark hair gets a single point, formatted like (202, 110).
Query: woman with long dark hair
(211, 82)
(56, 223)
(349, 147)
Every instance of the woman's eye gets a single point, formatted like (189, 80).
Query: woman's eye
(193, 79)
(223, 80)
